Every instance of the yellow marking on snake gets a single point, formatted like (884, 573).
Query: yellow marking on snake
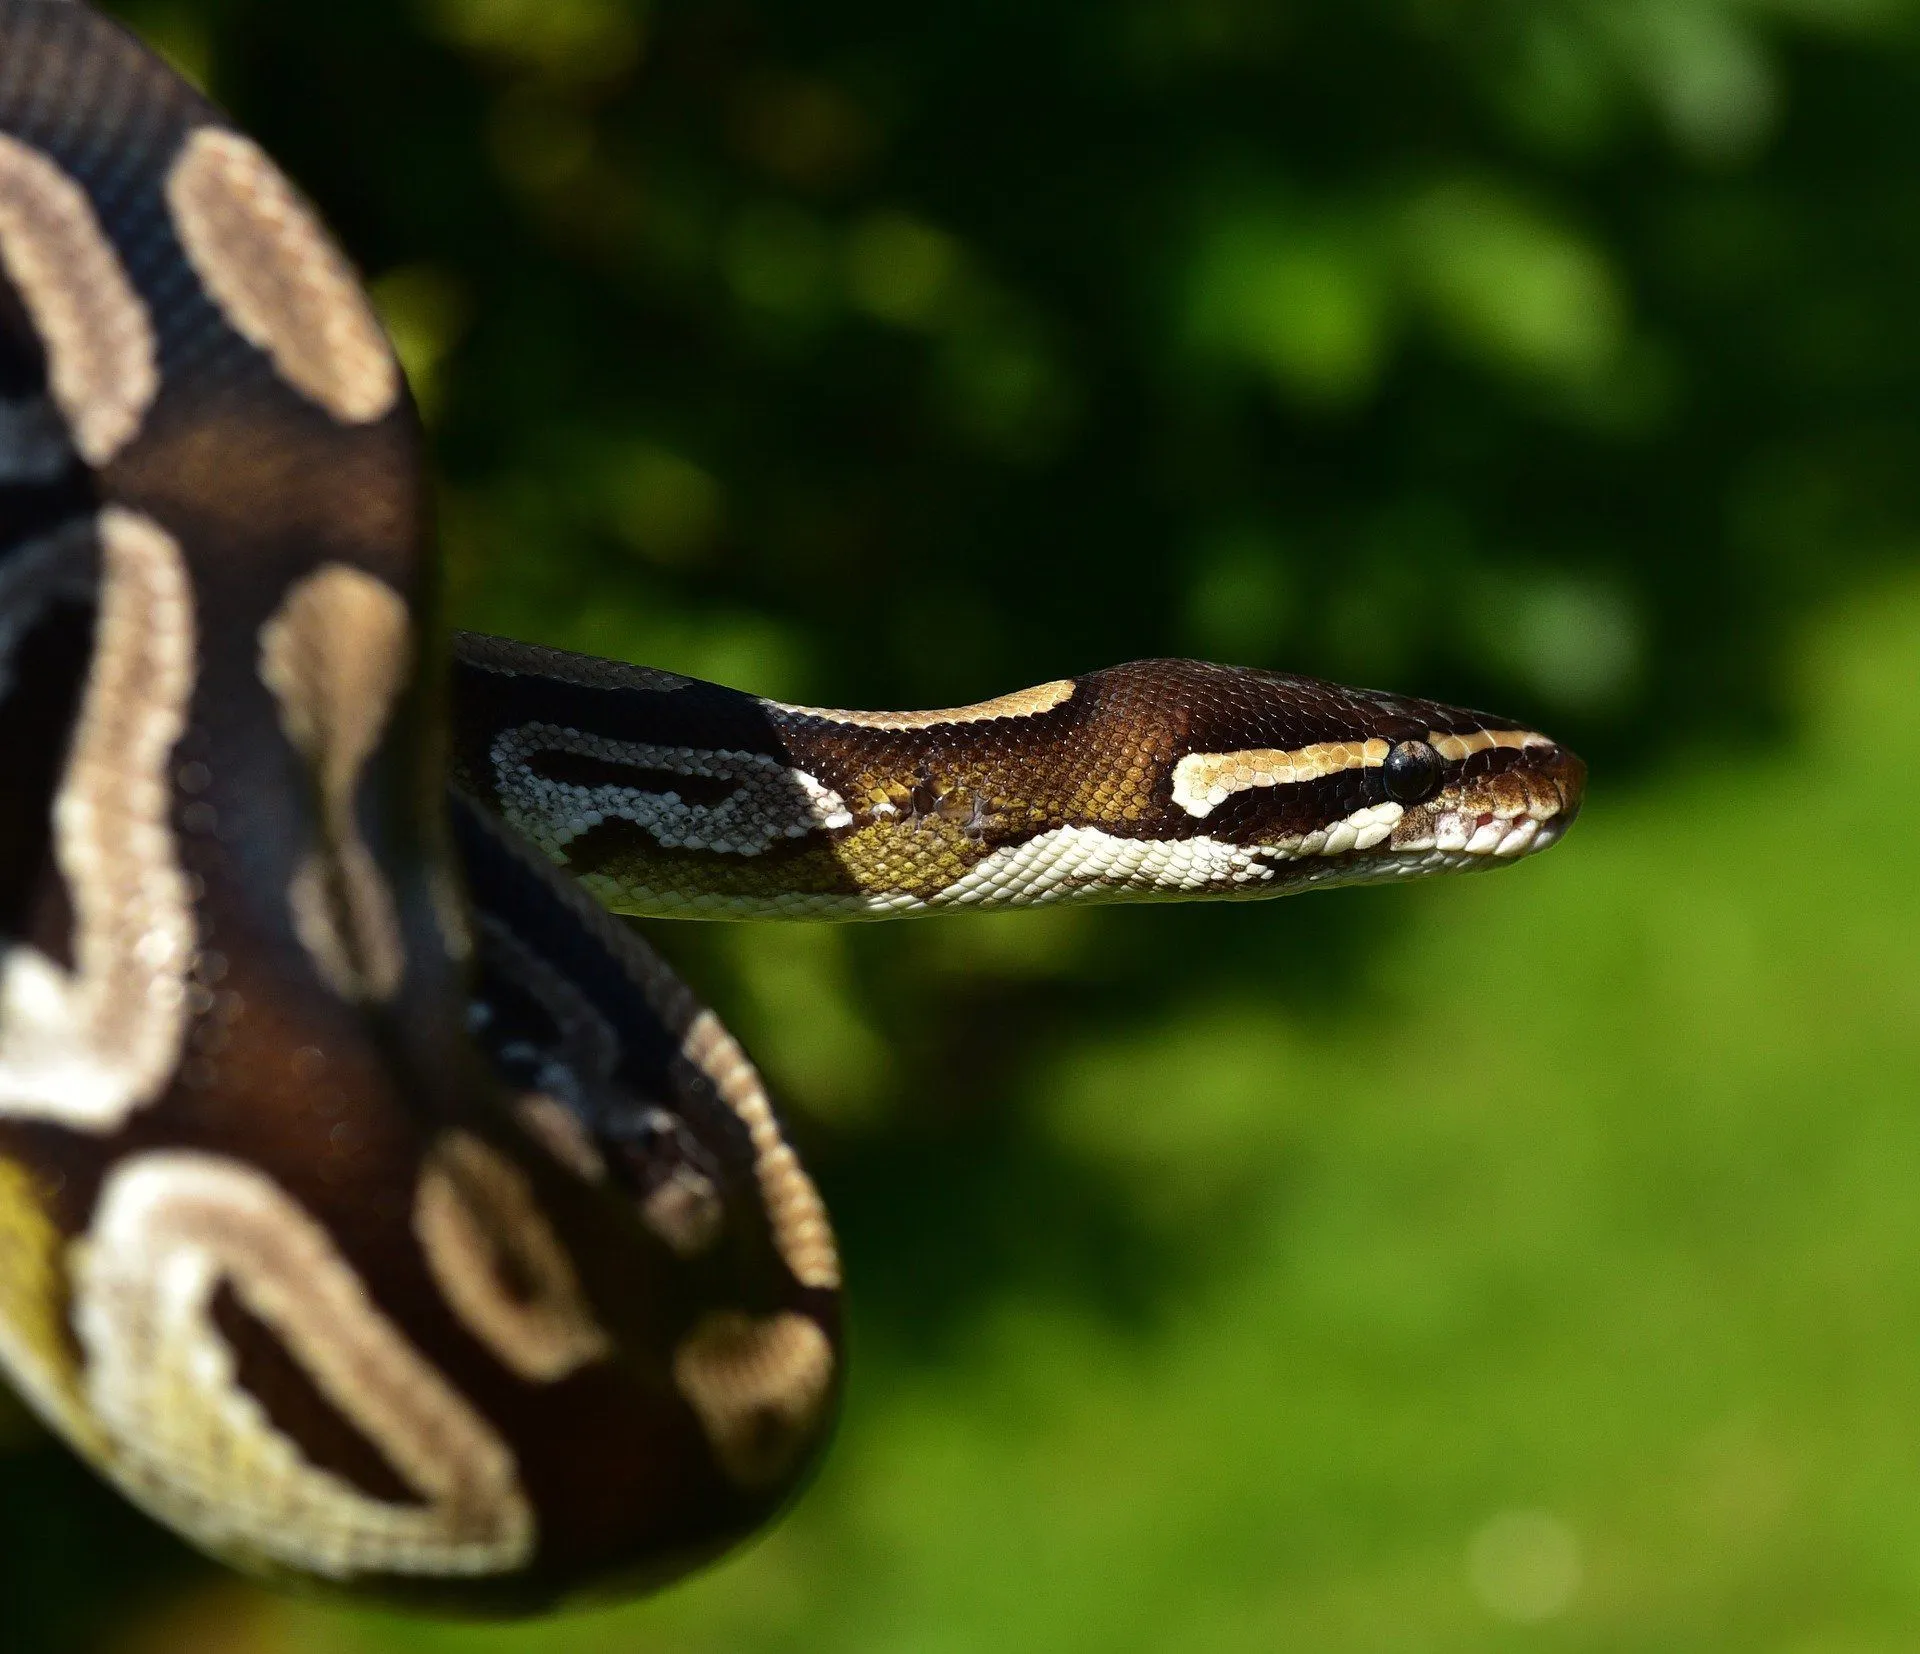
(36, 1348)
(1203, 781)
(1453, 748)
(794, 1208)
(336, 654)
(499, 1262)
(277, 276)
(196, 1449)
(102, 364)
(1022, 703)
(84, 1049)
(758, 1385)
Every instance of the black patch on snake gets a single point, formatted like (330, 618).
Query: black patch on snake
(533, 1026)
(487, 700)
(1478, 766)
(1260, 815)
(547, 1035)
(575, 769)
(46, 636)
(265, 1370)
(645, 1148)
(612, 843)
(23, 362)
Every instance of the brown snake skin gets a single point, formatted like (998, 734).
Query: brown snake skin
(820, 813)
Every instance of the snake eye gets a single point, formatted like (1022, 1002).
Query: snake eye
(1411, 772)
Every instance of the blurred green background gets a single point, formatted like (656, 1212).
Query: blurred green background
(1520, 1263)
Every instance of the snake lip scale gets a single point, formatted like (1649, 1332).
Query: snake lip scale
(376, 1209)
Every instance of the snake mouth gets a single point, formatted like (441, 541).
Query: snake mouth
(1513, 812)
(1475, 822)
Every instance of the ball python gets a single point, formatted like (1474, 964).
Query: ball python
(376, 1209)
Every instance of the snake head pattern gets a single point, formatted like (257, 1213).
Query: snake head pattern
(376, 1209)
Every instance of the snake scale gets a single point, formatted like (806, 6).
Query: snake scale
(375, 1208)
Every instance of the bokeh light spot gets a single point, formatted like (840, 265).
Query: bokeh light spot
(589, 39)
(901, 269)
(1513, 287)
(425, 310)
(664, 505)
(776, 258)
(1308, 309)
(1525, 1565)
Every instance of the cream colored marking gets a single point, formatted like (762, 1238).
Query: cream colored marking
(1085, 864)
(482, 1228)
(1362, 830)
(197, 1450)
(336, 654)
(311, 904)
(276, 275)
(759, 1387)
(1082, 864)
(1453, 748)
(557, 1129)
(86, 1049)
(1022, 703)
(102, 365)
(36, 1350)
(1062, 865)
(794, 1208)
(1203, 781)
(770, 802)
(686, 1212)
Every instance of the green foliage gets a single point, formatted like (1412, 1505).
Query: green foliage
(1520, 1262)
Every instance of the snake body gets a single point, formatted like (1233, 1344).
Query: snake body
(375, 1208)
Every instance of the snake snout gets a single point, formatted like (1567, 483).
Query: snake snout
(1560, 775)
(1509, 798)
(1519, 810)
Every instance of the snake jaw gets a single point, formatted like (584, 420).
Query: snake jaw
(1486, 818)
(1506, 800)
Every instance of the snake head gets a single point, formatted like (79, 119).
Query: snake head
(1496, 794)
(1318, 784)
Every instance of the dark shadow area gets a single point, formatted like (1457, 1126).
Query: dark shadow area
(76, 1560)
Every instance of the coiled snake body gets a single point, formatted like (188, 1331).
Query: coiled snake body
(375, 1209)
